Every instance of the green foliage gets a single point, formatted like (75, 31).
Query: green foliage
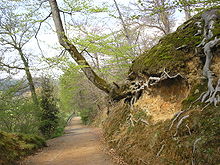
(83, 6)
(110, 47)
(77, 95)
(17, 22)
(15, 146)
(85, 115)
(68, 89)
(49, 110)
(20, 119)
(17, 113)
(195, 5)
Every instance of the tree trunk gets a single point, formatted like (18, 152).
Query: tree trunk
(80, 60)
(187, 12)
(163, 16)
(186, 6)
(29, 77)
(125, 28)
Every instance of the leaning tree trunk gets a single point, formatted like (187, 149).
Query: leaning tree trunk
(29, 77)
(76, 55)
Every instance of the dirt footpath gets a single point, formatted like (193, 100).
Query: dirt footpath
(78, 146)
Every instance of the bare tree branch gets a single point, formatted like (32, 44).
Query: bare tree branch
(11, 67)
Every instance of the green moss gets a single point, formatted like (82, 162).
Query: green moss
(173, 50)
(195, 93)
(15, 146)
(216, 30)
(165, 53)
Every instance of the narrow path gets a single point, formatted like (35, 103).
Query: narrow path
(78, 146)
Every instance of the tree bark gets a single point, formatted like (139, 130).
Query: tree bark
(124, 26)
(29, 77)
(80, 60)
(186, 8)
(163, 16)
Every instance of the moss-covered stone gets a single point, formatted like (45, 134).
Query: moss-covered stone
(15, 146)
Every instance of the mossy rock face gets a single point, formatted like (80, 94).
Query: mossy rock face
(15, 146)
(174, 50)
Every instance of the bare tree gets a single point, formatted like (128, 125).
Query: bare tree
(155, 14)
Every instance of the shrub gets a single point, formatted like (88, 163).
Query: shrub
(49, 111)
(84, 114)
(14, 146)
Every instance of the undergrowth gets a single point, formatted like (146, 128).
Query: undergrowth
(15, 146)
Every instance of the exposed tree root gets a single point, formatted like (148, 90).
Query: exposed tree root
(194, 149)
(164, 76)
(144, 121)
(211, 96)
(131, 119)
(161, 149)
(137, 87)
(205, 106)
(190, 133)
(176, 116)
(194, 144)
(179, 123)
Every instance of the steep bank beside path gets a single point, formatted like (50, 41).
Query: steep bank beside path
(78, 146)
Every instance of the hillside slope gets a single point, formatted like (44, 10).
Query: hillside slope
(172, 115)
(15, 146)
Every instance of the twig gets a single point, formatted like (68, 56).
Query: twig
(179, 123)
(161, 149)
(205, 106)
(190, 133)
(38, 29)
(11, 67)
(176, 117)
(194, 144)
(144, 121)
